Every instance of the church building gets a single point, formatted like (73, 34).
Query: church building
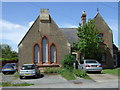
(45, 44)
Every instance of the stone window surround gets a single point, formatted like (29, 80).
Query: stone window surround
(40, 46)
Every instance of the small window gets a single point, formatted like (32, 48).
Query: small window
(103, 58)
(100, 36)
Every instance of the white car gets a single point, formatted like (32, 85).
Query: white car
(90, 65)
(29, 70)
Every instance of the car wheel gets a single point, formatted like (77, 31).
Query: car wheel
(99, 72)
(4, 73)
(35, 76)
(21, 77)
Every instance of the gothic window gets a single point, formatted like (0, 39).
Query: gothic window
(53, 53)
(36, 54)
(44, 50)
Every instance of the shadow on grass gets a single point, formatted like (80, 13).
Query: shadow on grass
(30, 77)
(93, 72)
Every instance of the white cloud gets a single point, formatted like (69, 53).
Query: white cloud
(12, 32)
(30, 23)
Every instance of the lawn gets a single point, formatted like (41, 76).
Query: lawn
(112, 71)
(8, 84)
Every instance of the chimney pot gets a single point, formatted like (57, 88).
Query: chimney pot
(83, 18)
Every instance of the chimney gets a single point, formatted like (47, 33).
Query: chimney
(83, 18)
(44, 15)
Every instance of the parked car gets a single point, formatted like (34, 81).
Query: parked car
(8, 68)
(90, 65)
(15, 66)
(29, 70)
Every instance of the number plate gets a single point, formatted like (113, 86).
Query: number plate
(26, 74)
(7, 69)
(94, 66)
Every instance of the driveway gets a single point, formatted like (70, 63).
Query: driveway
(103, 77)
(56, 81)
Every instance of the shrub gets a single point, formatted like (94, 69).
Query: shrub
(80, 73)
(67, 62)
(51, 70)
(9, 59)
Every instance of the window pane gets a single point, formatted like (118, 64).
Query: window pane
(91, 61)
(53, 53)
(36, 54)
(44, 50)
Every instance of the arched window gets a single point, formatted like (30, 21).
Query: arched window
(44, 50)
(53, 53)
(36, 54)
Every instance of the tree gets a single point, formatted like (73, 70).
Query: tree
(88, 40)
(7, 53)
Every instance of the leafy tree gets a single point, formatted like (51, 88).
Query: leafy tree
(7, 53)
(88, 41)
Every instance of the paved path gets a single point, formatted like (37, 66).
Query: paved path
(103, 77)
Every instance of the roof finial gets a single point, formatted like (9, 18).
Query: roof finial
(98, 10)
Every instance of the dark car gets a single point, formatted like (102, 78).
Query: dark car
(8, 68)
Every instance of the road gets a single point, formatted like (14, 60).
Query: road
(56, 81)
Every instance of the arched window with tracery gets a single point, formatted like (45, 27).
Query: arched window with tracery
(52, 53)
(44, 50)
(36, 53)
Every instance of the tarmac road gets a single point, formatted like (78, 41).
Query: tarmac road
(56, 81)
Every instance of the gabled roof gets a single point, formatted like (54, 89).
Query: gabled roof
(70, 34)
(100, 21)
(28, 31)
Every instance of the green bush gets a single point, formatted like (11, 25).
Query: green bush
(51, 70)
(80, 73)
(67, 62)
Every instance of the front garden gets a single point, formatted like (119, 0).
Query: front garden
(67, 70)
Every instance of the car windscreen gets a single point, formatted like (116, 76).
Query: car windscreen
(27, 67)
(90, 61)
(8, 66)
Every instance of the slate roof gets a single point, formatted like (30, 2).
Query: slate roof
(70, 34)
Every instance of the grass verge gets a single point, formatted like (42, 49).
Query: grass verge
(67, 74)
(8, 84)
(112, 71)
(16, 75)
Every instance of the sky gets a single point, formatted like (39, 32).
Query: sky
(17, 17)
